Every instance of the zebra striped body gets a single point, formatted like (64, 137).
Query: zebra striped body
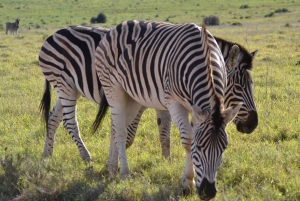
(84, 50)
(12, 26)
(66, 60)
(178, 68)
(239, 89)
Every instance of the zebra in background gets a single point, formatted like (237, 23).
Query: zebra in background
(12, 26)
(239, 78)
(66, 60)
(178, 68)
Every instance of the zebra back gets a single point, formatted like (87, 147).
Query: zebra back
(70, 51)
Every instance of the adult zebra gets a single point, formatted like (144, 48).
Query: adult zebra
(66, 60)
(178, 68)
(239, 89)
(65, 51)
(12, 26)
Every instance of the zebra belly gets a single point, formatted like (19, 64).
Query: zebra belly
(151, 101)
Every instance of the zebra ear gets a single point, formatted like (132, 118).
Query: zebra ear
(253, 54)
(230, 113)
(233, 55)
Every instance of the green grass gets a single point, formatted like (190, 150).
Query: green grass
(262, 166)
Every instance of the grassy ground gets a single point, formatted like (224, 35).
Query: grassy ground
(262, 166)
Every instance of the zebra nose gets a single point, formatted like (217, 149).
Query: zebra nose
(250, 124)
(207, 190)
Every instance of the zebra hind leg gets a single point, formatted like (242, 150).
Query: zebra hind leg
(164, 126)
(131, 129)
(124, 109)
(71, 124)
(55, 117)
(131, 132)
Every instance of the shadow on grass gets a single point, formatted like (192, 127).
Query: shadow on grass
(38, 183)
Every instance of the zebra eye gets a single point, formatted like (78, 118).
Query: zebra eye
(199, 147)
(238, 88)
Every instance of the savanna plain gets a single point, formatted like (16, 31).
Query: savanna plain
(264, 165)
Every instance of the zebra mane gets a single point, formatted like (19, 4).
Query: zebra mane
(247, 58)
(217, 117)
(92, 29)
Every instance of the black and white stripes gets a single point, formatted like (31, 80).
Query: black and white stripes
(164, 66)
(66, 59)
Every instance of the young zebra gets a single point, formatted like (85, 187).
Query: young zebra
(178, 68)
(70, 39)
(12, 26)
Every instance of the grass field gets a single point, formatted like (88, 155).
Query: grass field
(262, 166)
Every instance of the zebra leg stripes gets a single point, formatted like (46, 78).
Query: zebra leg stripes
(165, 66)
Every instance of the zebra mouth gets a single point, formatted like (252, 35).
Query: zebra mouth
(249, 125)
(207, 190)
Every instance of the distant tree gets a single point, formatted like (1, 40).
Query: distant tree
(211, 20)
(244, 6)
(282, 10)
(101, 18)
(270, 14)
(236, 24)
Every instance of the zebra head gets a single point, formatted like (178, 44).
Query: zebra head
(240, 88)
(208, 145)
(17, 23)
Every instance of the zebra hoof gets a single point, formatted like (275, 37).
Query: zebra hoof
(86, 156)
(87, 159)
(188, 186)
(125, 173)
(47, 154)
(112, 169)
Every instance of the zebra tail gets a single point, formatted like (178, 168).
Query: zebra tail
(45, 103)
(103, 106)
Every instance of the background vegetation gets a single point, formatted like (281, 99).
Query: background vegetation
(262, 166)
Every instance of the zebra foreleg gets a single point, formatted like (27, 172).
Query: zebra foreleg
(55, 117)
(179, 115)
(164, 126)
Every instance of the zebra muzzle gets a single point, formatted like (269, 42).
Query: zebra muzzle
(250, 124)
(207, 190)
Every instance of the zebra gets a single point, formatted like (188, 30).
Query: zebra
(12, 26)
(239, 89)
(48, 62)
(66, 60)
(178, 68)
